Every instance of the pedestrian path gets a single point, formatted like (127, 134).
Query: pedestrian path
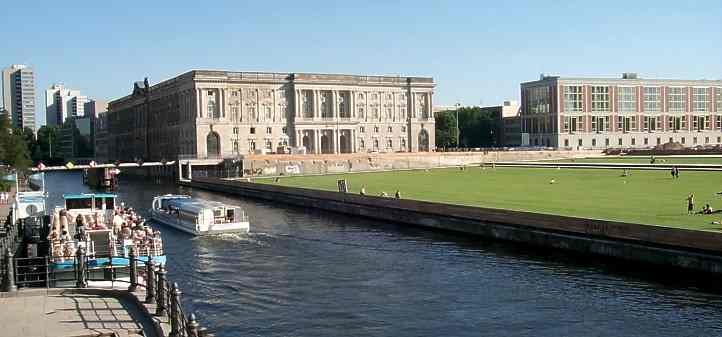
(70, 314)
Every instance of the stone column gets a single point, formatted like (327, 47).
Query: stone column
(353, 141)
(351, 104)
(199, 96)
(334, 104)
(336, 138)
(316, 108)
(222, 106)
(430, 105)
(316, 141)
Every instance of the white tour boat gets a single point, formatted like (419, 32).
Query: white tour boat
(197, 216)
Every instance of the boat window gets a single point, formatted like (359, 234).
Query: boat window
(79, 203)
(229, 214)
(217, 212)
(109, 203)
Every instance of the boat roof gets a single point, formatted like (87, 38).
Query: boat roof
(195, 205)
(88, 195)
(31, 198)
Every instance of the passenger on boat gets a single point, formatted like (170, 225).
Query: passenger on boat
(125, 232)
(117, 223)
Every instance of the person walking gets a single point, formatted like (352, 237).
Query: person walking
(690, 204)
(3, 198)
(363, 190)
(398, 194)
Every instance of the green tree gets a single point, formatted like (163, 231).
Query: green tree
(48, 145)
(446, 128)
(13, 143)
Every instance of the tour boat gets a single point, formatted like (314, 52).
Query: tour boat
(198, 216)
(102, 247)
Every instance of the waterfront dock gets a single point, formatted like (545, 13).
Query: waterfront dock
(73, 312)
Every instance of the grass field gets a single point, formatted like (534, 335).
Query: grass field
(646, 160)
(648, 197)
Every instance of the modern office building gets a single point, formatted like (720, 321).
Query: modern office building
(508, 118)
(629, 112)
(62, 103)
(18, 93)
(204, 114)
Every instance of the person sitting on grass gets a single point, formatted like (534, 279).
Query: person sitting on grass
(398, 194)
(384, 195)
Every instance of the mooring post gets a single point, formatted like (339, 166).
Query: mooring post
(175, 316)
(149, 282)
(192, 326)
(10, 272)
(133, 270)
(160, 304)
(81, 282)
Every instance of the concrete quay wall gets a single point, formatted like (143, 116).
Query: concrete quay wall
(277, 165)
(679, 248)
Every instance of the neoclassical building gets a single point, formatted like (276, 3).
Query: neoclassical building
(211, 114)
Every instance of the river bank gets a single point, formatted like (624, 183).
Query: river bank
(670, 247)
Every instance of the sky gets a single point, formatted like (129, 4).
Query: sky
(478, 52)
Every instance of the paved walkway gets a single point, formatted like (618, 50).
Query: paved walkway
(5, 208)
(68, 314)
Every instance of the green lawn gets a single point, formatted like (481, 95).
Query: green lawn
(649, 197)
(646, 160)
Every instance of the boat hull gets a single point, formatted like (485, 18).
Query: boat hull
(105, 262)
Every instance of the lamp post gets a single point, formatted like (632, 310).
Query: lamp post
(458, 106)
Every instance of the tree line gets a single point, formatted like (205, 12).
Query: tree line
(21, 148)
(478, 128)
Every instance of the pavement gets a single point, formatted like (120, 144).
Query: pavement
(5, 208)
(72, 314)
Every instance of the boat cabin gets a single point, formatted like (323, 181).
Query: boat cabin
(89, 202)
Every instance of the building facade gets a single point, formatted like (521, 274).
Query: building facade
(210, 114)
(62, 103)
(626, 113)
(18, 92)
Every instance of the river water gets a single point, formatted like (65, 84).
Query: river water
(309, 273)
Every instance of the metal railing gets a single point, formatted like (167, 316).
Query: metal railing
(76, 271)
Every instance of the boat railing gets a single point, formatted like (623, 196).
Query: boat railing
(77, 271)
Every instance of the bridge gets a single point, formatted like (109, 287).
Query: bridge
(128, 165)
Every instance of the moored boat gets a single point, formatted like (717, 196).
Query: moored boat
(89, 216)
(198, 216)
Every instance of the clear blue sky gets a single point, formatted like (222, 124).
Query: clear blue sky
(477, 51)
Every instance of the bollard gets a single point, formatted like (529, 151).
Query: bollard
(133, 270)
(193, 326)
(10, 272)
(174, 312)
(81, 282)
(150, 282)
(160, 308)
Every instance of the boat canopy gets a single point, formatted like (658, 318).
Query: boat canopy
(89, 200)
(88, 195)
(193, 206)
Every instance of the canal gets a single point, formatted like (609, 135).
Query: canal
(309, 273)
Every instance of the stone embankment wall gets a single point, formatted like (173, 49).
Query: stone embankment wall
(670, 247)
(276, 165)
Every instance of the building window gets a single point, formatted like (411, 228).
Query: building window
(235, 130)
(361, 143)
(361, 129)
(594, 142)
(403, 128)
(700, 99)
(682, 140)
(677, 99)
(718, 121)
(573, 98)
(235, 146)
(403, 143)
(211, 105)
(376, 113)
(652, 99)
(718, 99)
(376, 144)
(252, 145)
(389, 143)
(390, 129)
(253, 131)
(537, 100)
(268, 130)
(646, 141)
(269, 113)
(580, 142)
(284, 130)
(719, 139)
(269, 144)
(566, 142)
(234, 93)
(706, 140)
(627, 99)
(376, 129)
(671, 140)
(634, 141)
(620, 141)
(606, 141)
(600, 98)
